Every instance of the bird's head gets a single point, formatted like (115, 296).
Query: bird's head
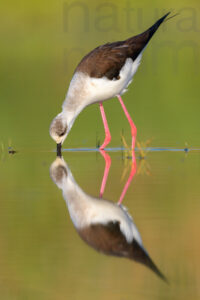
(58, 172)
(59, 129)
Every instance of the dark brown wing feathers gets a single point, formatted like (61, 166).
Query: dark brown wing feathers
(107, 60)
(110, 240)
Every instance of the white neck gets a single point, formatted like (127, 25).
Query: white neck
(70, 112)
(76, 99)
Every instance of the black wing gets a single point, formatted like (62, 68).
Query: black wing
(107, 60)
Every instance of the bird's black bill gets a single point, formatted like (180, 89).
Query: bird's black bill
(59, 147)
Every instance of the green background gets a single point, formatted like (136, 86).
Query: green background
(41, 256)
(42, 42)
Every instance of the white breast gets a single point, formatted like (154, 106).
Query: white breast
(91, 90)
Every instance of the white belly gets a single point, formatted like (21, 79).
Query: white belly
(85, 210)
(91, 90)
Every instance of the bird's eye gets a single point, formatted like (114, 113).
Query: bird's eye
(62, 133)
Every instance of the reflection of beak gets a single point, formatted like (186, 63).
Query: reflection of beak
(59, 147)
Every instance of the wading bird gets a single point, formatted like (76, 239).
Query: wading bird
(104, 225)
(102, 74)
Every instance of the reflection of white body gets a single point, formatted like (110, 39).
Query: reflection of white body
(102, 224)
(86, 210)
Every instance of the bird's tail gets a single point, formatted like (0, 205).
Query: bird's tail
(155, 26)
(140, 255)
(139, 42)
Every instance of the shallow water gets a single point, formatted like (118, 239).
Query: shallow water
(43, 256)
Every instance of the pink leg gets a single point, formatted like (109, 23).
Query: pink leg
(107, 131)
(133, 127)
(107, 158)
(132, 173)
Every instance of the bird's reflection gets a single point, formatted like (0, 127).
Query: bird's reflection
(104, 225)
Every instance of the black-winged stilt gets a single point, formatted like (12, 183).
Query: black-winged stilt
(104, 225)
(102, 74)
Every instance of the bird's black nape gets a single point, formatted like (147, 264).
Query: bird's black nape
(59, 147)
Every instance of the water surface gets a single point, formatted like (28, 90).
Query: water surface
(43, 256)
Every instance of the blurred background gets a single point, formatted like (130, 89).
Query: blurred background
(41, 256)
(42, 43)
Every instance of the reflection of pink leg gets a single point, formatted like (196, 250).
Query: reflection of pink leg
(107, 131)
(133, 127)
(132, 173)
(107, 158)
